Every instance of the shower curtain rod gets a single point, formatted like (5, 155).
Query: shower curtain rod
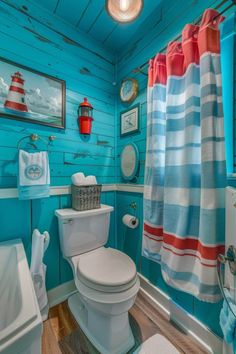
(139, 68)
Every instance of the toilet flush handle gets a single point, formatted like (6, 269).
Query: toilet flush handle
(68, 221)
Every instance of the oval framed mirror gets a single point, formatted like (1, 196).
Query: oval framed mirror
(129, 161)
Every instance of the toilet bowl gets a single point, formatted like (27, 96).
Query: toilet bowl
(107, 298)
(106, 279)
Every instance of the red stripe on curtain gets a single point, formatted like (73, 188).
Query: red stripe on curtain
(209, 34)
(207, 252)
(190, 255)
(157, 70)
(157, 231)
(153, 238)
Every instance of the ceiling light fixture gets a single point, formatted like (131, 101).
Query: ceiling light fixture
(124, 11)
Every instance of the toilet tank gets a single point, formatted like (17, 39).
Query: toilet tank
(83, 231)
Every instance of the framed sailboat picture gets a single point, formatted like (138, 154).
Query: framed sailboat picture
(129, 121)
(31, 96)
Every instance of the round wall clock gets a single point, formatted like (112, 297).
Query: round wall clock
(128, 90)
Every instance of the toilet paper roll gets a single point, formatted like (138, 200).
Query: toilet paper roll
(130, 221)
(78, 179)
(90, 180)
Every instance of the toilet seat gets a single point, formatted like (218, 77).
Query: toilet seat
(107, 298)
(106, 270)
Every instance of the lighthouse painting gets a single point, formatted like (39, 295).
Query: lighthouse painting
(16, 94)
(31, 96)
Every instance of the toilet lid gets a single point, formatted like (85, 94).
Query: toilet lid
(107, 267)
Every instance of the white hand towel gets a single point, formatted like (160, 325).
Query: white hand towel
(39, 280)
(38, 268)
(46, 240)
(33, 168)
(37, 251)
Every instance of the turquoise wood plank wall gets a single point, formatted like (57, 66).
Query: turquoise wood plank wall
(28, 42)
(174, 17)
(63, 54)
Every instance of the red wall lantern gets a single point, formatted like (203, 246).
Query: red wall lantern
(85, 117)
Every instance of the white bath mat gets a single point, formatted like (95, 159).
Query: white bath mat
(157, 344)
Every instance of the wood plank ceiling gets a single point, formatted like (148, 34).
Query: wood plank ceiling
(90, 16)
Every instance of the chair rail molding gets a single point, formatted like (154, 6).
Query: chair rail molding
(12, 193)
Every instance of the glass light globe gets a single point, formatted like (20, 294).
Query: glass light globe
(124, 10)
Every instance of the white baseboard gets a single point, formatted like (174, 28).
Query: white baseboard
(187, 322)
(61, 293)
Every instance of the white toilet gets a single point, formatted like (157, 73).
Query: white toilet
(106, 279)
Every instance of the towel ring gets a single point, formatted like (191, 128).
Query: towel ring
(35, 137)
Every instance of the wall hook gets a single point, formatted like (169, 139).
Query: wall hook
(133, 205)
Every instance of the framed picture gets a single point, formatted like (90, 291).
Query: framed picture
(31, 96)
(129, 121)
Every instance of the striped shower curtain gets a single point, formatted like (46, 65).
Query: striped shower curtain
(185, 174)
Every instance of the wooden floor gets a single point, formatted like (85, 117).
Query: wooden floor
(62, 334)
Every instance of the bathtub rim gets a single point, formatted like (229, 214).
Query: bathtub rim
(29, 315)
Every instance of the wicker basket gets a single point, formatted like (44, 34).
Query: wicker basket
(86, 197)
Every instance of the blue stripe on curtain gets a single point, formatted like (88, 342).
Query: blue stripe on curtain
(158, 115)
(192, 278)
(154, 211)
(176, 109)
(189, 176)
(179, 124)
(178, 85)
(159, 93)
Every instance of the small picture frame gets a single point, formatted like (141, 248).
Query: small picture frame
(129, 121)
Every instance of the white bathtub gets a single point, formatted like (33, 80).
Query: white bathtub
(20, 319)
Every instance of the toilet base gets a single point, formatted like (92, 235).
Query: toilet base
(87, 321)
